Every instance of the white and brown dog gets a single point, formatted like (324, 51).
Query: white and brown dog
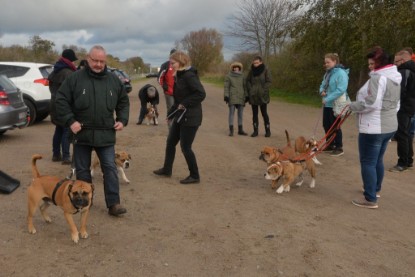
(71, 195)
(122, 161)
(289, 172)
(152, 115)
(304, 146)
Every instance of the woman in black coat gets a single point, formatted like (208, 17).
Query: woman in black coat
(185, 116)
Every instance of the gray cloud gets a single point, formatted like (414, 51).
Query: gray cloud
(146, 28)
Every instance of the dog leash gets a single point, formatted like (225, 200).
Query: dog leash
(170, 116)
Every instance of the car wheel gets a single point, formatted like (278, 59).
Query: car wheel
(32, 111)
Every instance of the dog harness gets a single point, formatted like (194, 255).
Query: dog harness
(59, 184)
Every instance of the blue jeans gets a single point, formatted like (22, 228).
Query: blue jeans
(106, 155)
(61, 139)
(412, 130)
(240, 109)
(372, 147)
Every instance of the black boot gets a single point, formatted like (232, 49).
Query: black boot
(231, 130)
(255, 133)
(241, 131)
(267, 131)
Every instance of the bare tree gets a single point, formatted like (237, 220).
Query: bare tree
(262, 25)
(204, 48)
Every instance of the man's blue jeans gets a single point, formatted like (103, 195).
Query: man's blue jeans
(61, 139)
(372, 147)
(106, 155)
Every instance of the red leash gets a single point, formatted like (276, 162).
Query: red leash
(328, 137)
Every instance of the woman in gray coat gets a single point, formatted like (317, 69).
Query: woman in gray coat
(235, 95)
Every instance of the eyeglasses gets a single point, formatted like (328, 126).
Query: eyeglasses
(97, 61)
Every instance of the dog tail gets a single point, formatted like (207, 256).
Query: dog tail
(35, 172)
(288, 138)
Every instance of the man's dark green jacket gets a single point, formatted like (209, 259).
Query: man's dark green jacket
(96, 101)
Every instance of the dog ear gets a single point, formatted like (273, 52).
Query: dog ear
(117, 155)
(129, 156)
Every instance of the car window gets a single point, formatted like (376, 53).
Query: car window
(6, 83)
(125, 74)
(12, 71)
(45, 71)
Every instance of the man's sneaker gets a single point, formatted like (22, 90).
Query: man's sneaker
(337, 152)
(57, 158)
(190, 180)
(363, 203)
(398, 168)
(410, 166)
(116, 210)
(329, 148)
(67, 161)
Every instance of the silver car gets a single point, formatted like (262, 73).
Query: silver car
(13, 111)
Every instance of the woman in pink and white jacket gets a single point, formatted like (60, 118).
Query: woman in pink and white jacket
(376, 107)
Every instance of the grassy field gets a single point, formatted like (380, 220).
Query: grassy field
(290, 97)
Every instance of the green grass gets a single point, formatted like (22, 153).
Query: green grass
(289, 97)
(297, 98)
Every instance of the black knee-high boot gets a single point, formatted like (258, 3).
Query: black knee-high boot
(255, 133)
(267, 130)
(241, 131)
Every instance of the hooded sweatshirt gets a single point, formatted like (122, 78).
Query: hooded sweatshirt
(377, 101)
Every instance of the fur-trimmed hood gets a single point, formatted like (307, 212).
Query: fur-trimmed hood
(238, 64)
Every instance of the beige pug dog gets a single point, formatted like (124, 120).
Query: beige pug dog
(71, 195)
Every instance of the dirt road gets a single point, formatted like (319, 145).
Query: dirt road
(231, 224)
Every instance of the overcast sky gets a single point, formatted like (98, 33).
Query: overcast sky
(126, 28)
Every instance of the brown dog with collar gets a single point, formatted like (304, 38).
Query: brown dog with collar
(271, 154)
(304, 146)
(289, 172)
(71, 195)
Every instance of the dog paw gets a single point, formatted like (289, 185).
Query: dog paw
(75, 237)
(298, 184)
(48, 219)
(84, 235)
(32, 231)
(280, 190)
(313, 183)
(287, 189)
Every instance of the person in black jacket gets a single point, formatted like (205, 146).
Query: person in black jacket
(185, 116)
(404, 140)
(93, 103)
(62, 69)
(147, 94)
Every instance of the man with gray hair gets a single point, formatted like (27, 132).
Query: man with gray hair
(147, 94)
(93, 103)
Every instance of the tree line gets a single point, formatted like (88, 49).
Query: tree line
(293, 36)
